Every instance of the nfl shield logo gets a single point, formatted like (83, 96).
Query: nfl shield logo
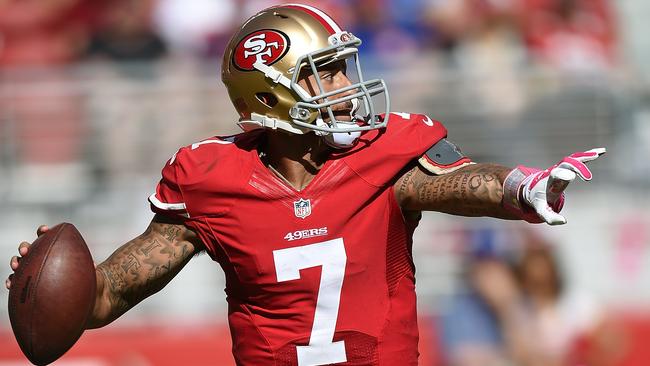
(302, 208)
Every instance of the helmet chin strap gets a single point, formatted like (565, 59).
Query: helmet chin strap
(340, 140)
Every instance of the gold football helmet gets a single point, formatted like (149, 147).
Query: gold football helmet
(262, 63)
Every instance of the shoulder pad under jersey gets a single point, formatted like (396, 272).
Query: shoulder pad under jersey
(443, 157)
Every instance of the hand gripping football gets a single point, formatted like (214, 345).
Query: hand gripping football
(52, 294)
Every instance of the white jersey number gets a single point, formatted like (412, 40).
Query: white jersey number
(331, 255)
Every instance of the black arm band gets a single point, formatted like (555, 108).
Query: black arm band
(444, 157)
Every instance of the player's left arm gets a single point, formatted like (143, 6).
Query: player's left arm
(493, 190)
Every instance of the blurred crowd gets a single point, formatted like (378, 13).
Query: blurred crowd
(565, 34)
(478, 38)
(516, 308)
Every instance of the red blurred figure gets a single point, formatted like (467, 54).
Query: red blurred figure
(125, 33)
(38, 39)
(41, 32)
(571, 35)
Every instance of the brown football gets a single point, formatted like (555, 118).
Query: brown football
(52, 294)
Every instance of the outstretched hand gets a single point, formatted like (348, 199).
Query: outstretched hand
(544, 190)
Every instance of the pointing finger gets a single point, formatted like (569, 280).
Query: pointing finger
(589, 155)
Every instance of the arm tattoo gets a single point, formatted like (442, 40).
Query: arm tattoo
(116, 284)
(142, 267)
(475, 190)
(171, 232)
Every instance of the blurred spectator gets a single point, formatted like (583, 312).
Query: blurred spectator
(196, 27)
(125, 32)
(570, 35)
(558, 317)
(38, 39)
(484, 45)
(42, 32)
(458, 21)
(516, 310)
(388, 36)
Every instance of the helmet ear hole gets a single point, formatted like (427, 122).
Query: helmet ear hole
(267, 99)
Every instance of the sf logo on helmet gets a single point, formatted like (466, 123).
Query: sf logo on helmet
(265, 46)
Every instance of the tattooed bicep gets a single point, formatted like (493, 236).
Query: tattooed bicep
(174, 230)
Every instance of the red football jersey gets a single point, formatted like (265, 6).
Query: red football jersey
(313, 277)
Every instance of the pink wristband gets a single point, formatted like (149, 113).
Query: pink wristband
(512, 200)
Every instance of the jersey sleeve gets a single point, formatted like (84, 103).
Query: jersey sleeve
(381, 154)
(168, 198)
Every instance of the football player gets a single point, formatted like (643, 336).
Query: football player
(310, 211)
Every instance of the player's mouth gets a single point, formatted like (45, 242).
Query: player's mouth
(339, 114)
(343, 115)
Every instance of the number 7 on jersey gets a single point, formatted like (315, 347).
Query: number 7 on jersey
(331, 256)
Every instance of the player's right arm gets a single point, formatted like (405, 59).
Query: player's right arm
(138, 269)
(142, 267)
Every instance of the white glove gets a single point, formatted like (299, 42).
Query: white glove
(543, 190)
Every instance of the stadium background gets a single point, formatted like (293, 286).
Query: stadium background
(95, 96)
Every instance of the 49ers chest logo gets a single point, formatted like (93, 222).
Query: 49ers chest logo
(266, 46)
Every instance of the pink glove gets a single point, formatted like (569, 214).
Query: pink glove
(538, 195)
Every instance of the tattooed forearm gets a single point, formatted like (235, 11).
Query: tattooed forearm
(140, 268)
(131, 264)
(475, 190)
(151, 246)
(116, 284)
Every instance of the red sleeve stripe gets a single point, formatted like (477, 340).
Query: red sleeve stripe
(319, 15)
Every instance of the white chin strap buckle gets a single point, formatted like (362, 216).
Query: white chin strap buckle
(339, 140)
(342, 139)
